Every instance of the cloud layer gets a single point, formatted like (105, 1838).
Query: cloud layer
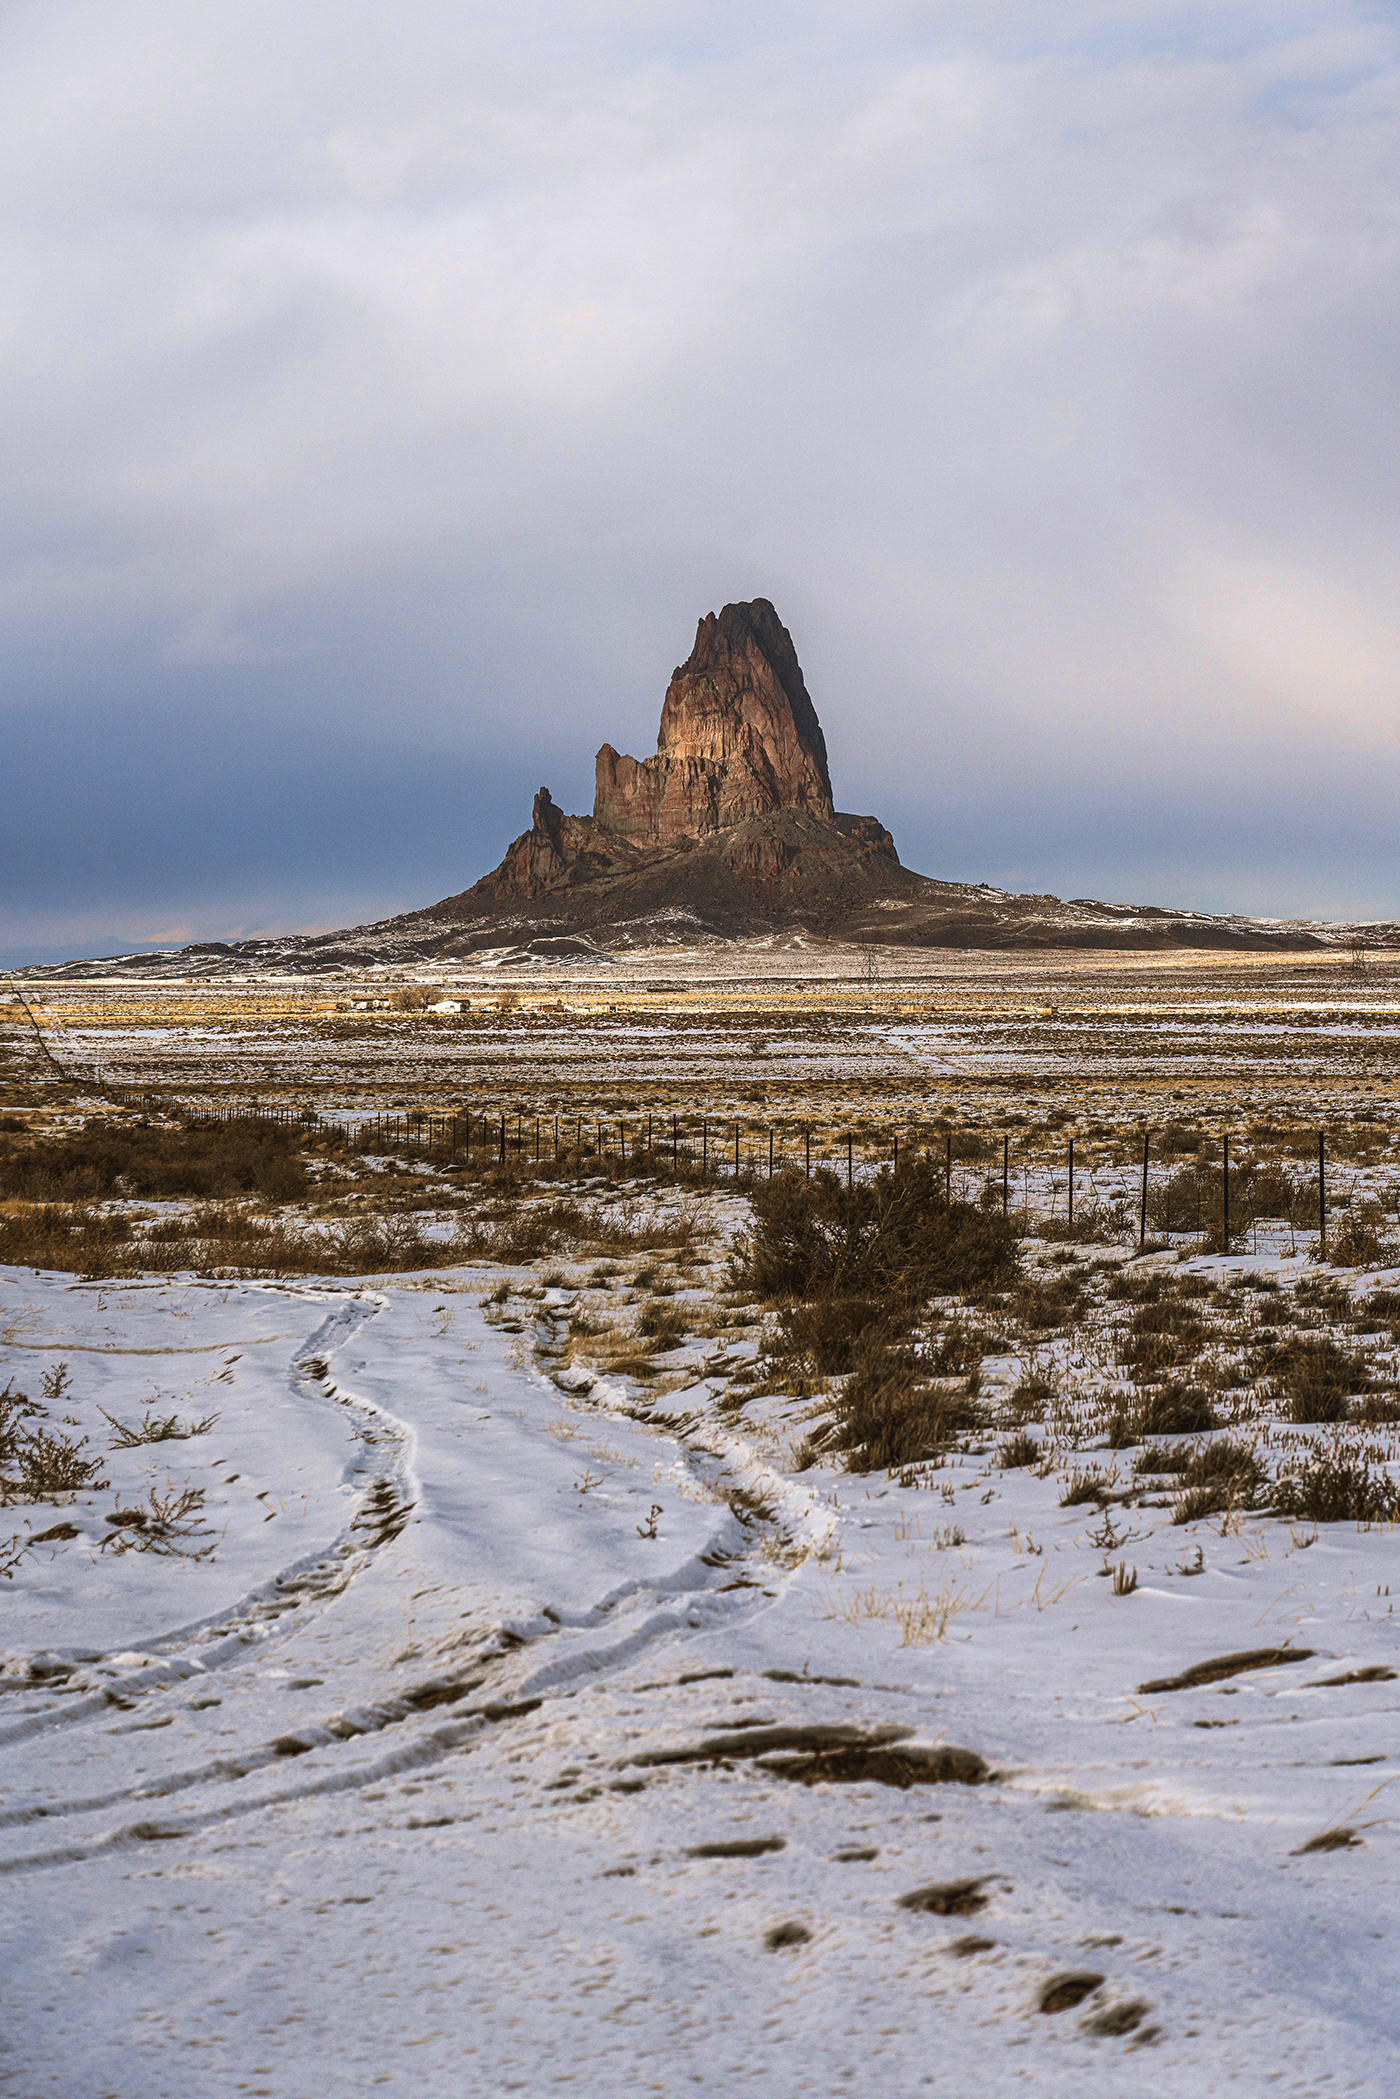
(387, 391)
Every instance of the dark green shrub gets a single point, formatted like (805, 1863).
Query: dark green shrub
(827, 1331)
(894, 1234)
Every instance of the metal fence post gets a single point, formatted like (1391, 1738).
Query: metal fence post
(1322, 1195)
(1225, 1196)
(1071, 1181)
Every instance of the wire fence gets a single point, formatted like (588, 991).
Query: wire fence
(1168, 1193)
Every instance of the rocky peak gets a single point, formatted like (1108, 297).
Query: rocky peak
(739, 739)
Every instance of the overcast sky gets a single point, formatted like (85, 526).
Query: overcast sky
(388, 389)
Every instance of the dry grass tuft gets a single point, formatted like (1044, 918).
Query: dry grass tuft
(1018, 1450)
(891, 1412)
(1218, 1478)
(155, 1428)
(37, 1464)
(106, 1158)
(1314, 1379)
(1330, 1487)
(170, 1525)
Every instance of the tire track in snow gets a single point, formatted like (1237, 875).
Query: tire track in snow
(719, 1464)
(204, 1645)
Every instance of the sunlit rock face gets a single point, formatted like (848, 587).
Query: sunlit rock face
(739, 739)
(733, 813)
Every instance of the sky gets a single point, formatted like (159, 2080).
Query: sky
(386, 391)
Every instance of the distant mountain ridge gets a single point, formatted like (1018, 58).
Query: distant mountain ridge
(728, 831)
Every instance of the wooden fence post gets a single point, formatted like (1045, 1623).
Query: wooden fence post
(1006, 1176)
(948, 1172)
(1142, 1222)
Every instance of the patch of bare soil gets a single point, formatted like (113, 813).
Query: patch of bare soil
(885, 1767)
(1224, 1665)
(948, 1898)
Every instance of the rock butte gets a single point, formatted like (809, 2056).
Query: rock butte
(739, 750)
(729, 830)
(731, 827)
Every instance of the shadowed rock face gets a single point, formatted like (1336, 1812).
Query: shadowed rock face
(739, 738)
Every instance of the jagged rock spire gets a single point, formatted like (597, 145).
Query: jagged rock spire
(739, 739)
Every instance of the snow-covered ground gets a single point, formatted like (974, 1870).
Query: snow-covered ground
(470, 1760)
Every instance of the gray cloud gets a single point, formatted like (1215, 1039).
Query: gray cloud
(386, 392)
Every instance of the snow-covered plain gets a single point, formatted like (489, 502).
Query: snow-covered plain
(465, 1763)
